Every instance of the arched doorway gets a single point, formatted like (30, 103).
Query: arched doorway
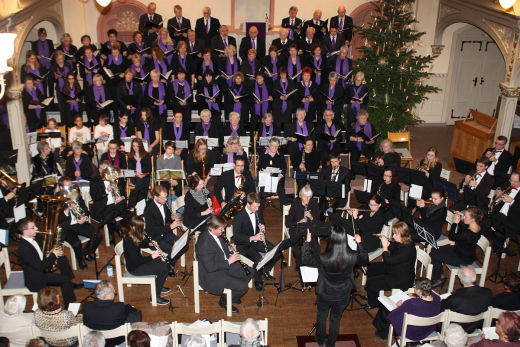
(122, 16)
(362, 15)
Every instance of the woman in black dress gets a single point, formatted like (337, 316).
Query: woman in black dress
(329, 127)
(197, 202)
(72, 96)
(357, 97)
(116, 63)
(138, 46)
(200, 160)
(209, 96)
(261, 100)
(182, 60)
(156, 97)
(148, 130)
(181, 96)
(296, 133)
(88, 66)
(33, 109)
(236, 98)
(271, 64)
(129, 95)
(68, 48)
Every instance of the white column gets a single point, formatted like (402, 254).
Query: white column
(506, 113)
(18, 134)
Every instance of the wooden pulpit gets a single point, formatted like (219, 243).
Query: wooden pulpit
(472, 136)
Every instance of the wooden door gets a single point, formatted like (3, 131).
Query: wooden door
(491, 74)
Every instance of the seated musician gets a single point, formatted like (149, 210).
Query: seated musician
(235, 127)
(161, 223)
(386, 154)
(272, 158)
(359, 137)
(178, 130)
(300, 127)
(335, 172)
(368, 223)
(200, 159)
(501, 160)
(388, 189)
(397, 270)
(78, 166)
(475, 188)
(7, 202)
(303, 211)
(309, 161)
(328, 127)
(233, 180)
(74, 221)
(139, 160)
(218, 267)
(139, 265)
(233, 150)
(503, 218)
(249, 234)
(197, 203)
(208, 127)
(108, 201)
(114, 156)
(170, 161)
(43, 163)
(432, 168)
(35, 264)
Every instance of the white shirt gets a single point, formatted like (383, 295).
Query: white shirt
(218, 243)
(110, 196)
(283, 42)
(82, 135)
(491, 168)
(335, 174)
(161, 209)
(252, 217)
(35, 245)
(505, 208)
(238, 180)
(478, 178)
(73, 219)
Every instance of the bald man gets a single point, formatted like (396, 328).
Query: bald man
(344, 24)
(150, 30)
(318, 24)
(207, 27)
(252, 41)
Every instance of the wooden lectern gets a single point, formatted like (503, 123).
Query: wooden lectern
(472, 136)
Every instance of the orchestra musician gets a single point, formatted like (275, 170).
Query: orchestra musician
(304, 211)
(432, 168)
(357, 97)
(293, 23)
(200, 160)
(35, 264)
(74, 221)
(299, 127)
(115, 158)
(501, 160)
(272, 158)
(249, 235)
(386, 154)
(328, 127)
(219, 268)
(475, 188)
(389, 190)
(7, 202)
(309, 161)
(140, 161)
(360, 137)
(197, 203)
(78, 166)
(335, 172)
(368, 224)
(231, 180)
(44, 162)
(139, 265)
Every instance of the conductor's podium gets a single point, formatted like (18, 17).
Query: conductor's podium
(472, 136)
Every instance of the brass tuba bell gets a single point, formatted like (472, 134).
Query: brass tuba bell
(111, 174)
(52, 205)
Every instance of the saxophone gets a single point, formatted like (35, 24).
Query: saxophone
(72, 194)
(236, 205)
(52, 206)
(112, 174)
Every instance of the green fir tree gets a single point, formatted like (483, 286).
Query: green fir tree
(394, 72)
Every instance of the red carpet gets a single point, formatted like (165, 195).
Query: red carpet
(344, 340)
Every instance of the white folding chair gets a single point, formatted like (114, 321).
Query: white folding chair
(73, 331)
(483, 243)
(493, 313)
(122, 330)
(412, 320)
(426, 267)
(15, 283)
(285, 230)
(180, 329)
(197, 288)
(129, 279)
(445, 174)
(73, 261)
(234, 328)
(463, 318)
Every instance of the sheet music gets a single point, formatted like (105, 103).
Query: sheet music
(367, 185)
(74, 307)
(179, 244)
(19, 213)
(212, 141)
(4, 237)
(390, 302)
(415, 191)
(127, 173)
(268, 256)
(425, 235)
(139, 207)
(351, 242)
(309, 274)
(267, 181)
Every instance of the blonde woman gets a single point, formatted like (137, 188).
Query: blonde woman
(165, 44)
(233, 150)
(386, 156)
(67, 47)
(229, 64)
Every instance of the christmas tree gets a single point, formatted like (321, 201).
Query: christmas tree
(394, 72)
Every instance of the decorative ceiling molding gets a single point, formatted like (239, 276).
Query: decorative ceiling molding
(503, 33)
(446, 10)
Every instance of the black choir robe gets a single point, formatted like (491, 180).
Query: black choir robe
(338, 97)
(314, 91)
(176, 103)
(350, 92)
(283, 118)
(286, 23)
(124, 98)
(33, 121)
(229, 100)
(348, 26)
(246, 45)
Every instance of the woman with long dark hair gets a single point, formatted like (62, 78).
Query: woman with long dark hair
(139, 161)
(335, 278)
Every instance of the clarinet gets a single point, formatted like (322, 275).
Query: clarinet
(305, 212)
(226, 241)
(164, 256)
(258, 225)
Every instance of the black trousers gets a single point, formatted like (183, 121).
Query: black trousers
(154, 267)
(445, 255)
(236, 280)
(336, 310)
(140, 191)
(63, 280)
(280, 191)
(376, 281)
(71, 235)
(297, 236)
(110, 212)
(253, 250)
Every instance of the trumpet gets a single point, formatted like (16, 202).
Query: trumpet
(497, 199)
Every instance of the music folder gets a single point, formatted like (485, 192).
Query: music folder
(4, 237)
(180, 244)
(309, 274)
(305, 175)
(267, 257)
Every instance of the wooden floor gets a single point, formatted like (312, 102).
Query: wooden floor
(295, 311)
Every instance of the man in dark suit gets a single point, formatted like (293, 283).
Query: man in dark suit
(44, 49)
(221, 41)
(470, 299)
(252, 41)
(105, 314)
(304, 47)
(178, 26)
(283, 43)
(501, 160)
(333, 41)
(344, 24)
(293, 23)
(335, 172)
(317, 23)
(35, 264)
(218, 269)
(249, 235)
(156, 22)
(207, 27)
(475, 189)
(231, 180)
(195, 45)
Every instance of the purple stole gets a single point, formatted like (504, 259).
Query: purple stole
(237, 107)
(253, 66)
(307, 94)
(342, 68)
(34, 96)
(88, 74)
(115, 161)
(77, 164)
(166, 48)
(210, 67)
(37, 72)
(186, 86)
(301, 130)
(230, 70)
(178, 133)
(331, 96)
(357, 91)
(123, 131)
(261, 109)
(234, 132)
(139, 46)
(367, 130)
(112, 60)
(265, 132)
(160, 66)
(74, 106)
(63, 72)
(99, 94)
(284, 90)
(317, 65)
(141, 73)
(331, 131)
(205, 128)
(230, 157)
(43, 50)
(162, 93)
(146, 135)
(183, 62)
(290, 67)
(130, 89)
(211, 105)
(275, 68)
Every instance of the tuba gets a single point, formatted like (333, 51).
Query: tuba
(112, 174)
(72, 194)
(52, 206)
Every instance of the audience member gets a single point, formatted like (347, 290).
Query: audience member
(249, 334)
(94, 339)
(14, 323)
(138, 338)
(507, 329)
(509, 300)
(454, 336)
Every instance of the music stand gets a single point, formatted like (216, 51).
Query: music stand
(425, 235)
